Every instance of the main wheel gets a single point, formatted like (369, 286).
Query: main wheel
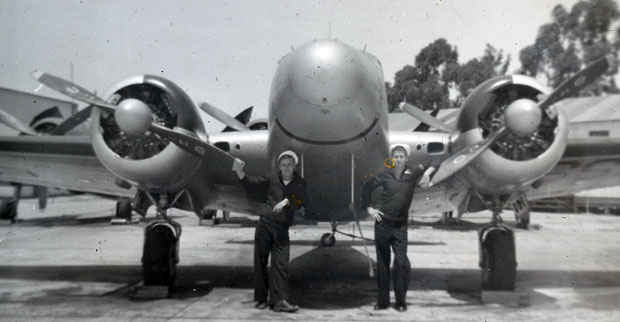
(328, 240)
(123, 209)
(498, 258)
(523, 218)
(225, 216)
(159, 256)
(522, 213)
(8, 209)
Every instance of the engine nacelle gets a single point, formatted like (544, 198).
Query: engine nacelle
(526, 152)
(148, 160)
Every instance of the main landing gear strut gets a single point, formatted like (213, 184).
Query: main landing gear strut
(160, 254)
(497, 255)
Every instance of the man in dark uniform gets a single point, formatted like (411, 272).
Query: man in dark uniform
(390, 209)
(282, 196)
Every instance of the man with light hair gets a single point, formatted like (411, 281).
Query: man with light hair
(390, 210)
(282, 195)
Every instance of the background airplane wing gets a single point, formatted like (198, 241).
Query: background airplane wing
(56, 161)
(592, 156)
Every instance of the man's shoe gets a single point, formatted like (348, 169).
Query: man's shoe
(379, 307)
(402, 307)
(284, 306)
(261, 305)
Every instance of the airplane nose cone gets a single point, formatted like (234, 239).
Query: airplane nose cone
(133, 116)
(327, 91)
(326, 74)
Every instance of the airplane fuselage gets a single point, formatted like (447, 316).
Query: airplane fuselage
(328, 104)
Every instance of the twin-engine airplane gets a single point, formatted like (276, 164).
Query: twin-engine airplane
(328, 104)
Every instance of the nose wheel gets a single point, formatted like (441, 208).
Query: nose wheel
(328, 240)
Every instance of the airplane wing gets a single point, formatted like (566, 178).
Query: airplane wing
(69, 162)
(591, 160)
(56, 161)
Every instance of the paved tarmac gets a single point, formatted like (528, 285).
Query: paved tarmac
(69, 263)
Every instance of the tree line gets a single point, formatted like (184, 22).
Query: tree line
(572, 39)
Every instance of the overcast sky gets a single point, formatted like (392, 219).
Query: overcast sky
(226, 52)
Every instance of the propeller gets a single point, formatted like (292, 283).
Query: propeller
(243, 117)
(576, 83)
(424, 117)
(72, 90)
(223, 117)
(514, 112)
(10, 121)
(133, 116)
(72, 121)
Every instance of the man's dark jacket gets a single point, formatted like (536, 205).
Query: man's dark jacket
(394, 195)
(272, 191)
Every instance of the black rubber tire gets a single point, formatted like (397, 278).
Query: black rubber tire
(158, 264)
(208, 213)
(523, 219)
(498, 260)
(328, 240)
(225, 216)
(8, 209)
(123, 208)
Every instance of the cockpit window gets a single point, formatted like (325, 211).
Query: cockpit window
(434, 147)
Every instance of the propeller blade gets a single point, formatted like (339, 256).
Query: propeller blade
(424, 117)
(243, 117)
(223, 117)
(463, 157)
(72, 90)
(71, 122)
(423, 127)
(577, 82)
(10, 121)
(188, 143)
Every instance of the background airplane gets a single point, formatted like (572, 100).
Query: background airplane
(328, 104)
(43, 115)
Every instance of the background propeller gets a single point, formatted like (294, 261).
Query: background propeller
(424, 117)
(17, 125)
(223, 117)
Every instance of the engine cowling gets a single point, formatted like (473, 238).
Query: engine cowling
(534, 142)
(148, 160)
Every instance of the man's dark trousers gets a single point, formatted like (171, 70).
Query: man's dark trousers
(388, 233)
(271, 237)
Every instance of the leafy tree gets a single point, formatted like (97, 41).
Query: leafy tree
(478, 70)
(425, 84)
(437, 71)
(572, 40)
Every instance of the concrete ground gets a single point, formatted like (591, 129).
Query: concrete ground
(69, 263)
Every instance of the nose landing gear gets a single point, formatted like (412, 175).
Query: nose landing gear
(328, 240)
